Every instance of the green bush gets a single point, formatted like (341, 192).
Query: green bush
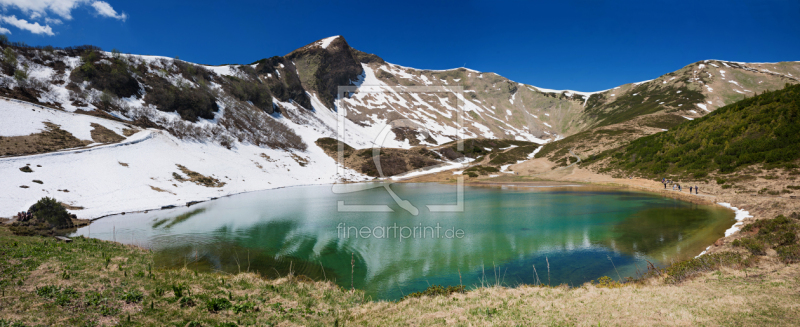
(178, 290)
(186, 301)
(243, 307)
(752, 245)
(50, 211)
(218, 304)
(133, 296)
(789, 254)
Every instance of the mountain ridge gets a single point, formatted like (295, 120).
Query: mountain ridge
(253, 127)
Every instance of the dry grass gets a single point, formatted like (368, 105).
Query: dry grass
(198, 178)
(727, 297)
(101, 134)
(104, 274)
(52, 139)
(158, 189)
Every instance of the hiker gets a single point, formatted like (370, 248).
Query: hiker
(673, 187)
(696, 190)
(690, 190)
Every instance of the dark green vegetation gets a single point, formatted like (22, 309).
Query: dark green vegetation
(90, 282)
(106, 74)
(47, 217)
(780, 234)
(191, 101)
(764, 129)
(258, 93)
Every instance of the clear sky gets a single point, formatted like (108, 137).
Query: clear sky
(579, 45)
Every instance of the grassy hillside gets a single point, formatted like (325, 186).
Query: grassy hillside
(764, 129)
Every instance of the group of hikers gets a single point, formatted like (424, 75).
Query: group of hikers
(24, 216)
(678, 186)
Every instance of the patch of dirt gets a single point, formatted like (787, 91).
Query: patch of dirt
(129, 131)
(158, 189)
(300, 160)
(52, 139)
(393, 161)
(101, 134)
(197, 178)
(122, 164)
(71, 207)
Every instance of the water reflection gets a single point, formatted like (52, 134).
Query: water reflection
(582, 233)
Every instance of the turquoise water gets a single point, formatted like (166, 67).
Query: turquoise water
(499, 237)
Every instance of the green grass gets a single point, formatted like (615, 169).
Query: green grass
(89, 282)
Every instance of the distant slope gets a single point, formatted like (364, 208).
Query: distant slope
(764, 129)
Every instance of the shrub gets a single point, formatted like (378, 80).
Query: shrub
(186, 301)
(779, 233)
(720, 181)
(112, 75)
(133, 296)
(789, 254)
(752, 245)
(218, 304)
(607, 282)
(50, 211)
(683, 270)
(243, 307)
(178, 290)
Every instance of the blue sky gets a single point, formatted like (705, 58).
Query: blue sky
(579, 45)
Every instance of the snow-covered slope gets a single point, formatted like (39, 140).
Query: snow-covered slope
(137, 174)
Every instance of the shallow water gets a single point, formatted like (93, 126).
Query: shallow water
(499, 237)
